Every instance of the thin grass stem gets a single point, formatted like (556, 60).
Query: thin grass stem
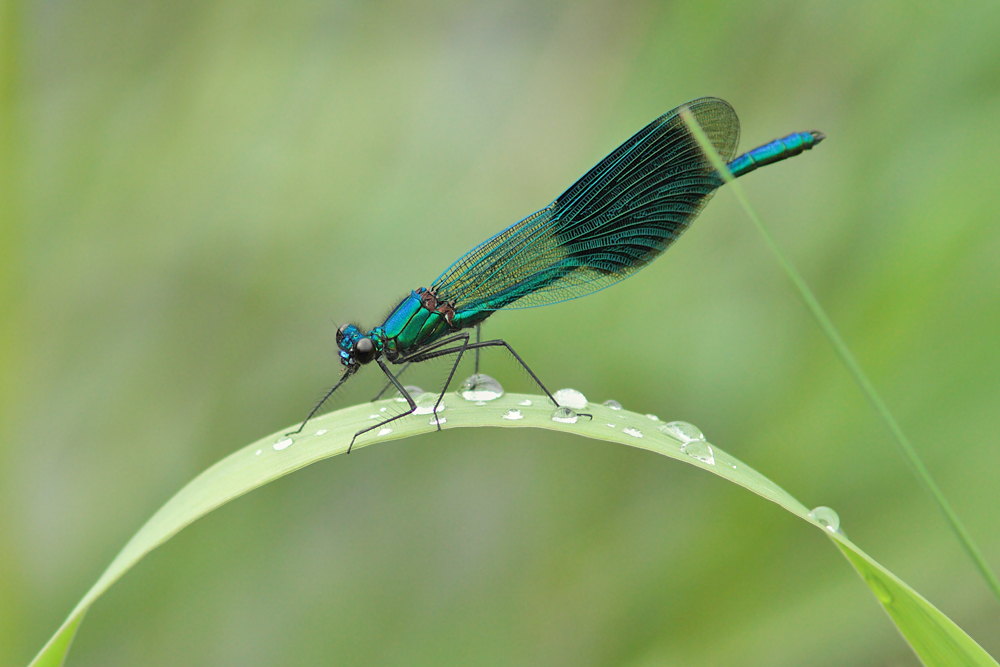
(902, 442)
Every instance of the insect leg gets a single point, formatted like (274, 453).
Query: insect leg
(389, 384)
(405, 394)
(421, 356)
(406, 361)
(458, 359)
(478, 335)
(321, 402)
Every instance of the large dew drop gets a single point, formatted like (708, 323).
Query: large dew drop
(513, 414)
(425, 404)
(283, 444)
(412, 389)
(570, 398)
(480, 388)
(701, 450)
(564, 415)
(683, 431)
(613, 404)
(826, 517)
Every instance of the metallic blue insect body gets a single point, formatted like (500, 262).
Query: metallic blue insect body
(615, 220)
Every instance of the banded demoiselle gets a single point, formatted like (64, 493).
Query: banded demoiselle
(619, 217)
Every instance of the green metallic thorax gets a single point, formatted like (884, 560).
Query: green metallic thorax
(411, 325)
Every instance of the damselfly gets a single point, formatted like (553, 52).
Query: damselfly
(615, 220)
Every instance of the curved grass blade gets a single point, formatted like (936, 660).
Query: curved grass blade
(934, 637)
(910, 455)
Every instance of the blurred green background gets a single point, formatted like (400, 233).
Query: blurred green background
(196, 193)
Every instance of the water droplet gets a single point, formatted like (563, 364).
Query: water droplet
(570, 398)
(734, 466)
(412, 389)
(611, 425)
(436, 419)
(699, 449)
(613, 404)
(683, 431)
(385, 431)
(826, 518)
(258, 453)
(321, 431)
(283, 444)
(879, 589)
(480, 403)
(513, 415)
(653, 417)
(564, 415)
(525, 402)
(480, 388)
(383, 409)
(425, 404)
(374, 417)
(634, 432)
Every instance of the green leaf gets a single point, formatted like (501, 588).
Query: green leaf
(931, 634)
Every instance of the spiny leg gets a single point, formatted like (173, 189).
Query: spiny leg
(425, 355)
(321, 402)
(479, 328)
(405, 394)
(458, 359)
(389, 384)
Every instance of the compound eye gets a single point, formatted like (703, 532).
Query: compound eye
(364, 350)
(341, 332)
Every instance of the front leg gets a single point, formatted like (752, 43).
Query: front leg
(402, 391)
(389, 384)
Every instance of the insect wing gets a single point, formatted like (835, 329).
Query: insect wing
(609, 224)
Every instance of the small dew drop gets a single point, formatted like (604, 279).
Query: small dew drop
(611, 425)
(513, 414)
(480, 388)
(613, 404)
(879, 589)
(321, 431)
(653, 417)
(564, 415)
(283, 444)
(436, 420)
(734, 466)
(701, 450)
(385, 431)
(425, 404)
(374, 417)
(634, 432)
(826, 518)
(525, 402)
(384, 409)
(258, 453)
(683, 431)
(570, 398)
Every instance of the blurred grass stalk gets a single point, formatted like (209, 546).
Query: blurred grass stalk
(11, 316)
(905, 447)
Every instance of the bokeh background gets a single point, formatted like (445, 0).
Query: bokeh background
(197, 193)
